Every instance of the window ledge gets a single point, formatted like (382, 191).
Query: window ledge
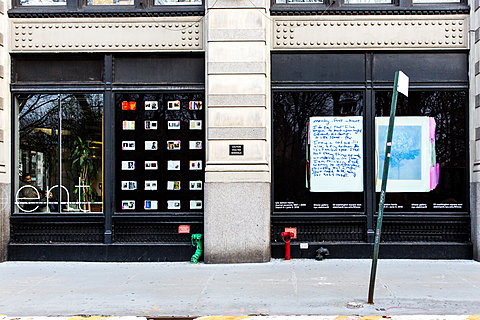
(321, 9)
(103, 11)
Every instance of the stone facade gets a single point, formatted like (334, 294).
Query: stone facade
(237, 38)
(5, 139)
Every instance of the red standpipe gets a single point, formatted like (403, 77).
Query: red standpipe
(286, 236)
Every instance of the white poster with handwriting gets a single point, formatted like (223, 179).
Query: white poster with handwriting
(336, 154)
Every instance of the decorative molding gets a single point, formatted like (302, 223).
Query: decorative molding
(239, 133)
(388, 32)
(236, 100)
(319, 10)
(104, 12)
(237, 67)
(65, 35)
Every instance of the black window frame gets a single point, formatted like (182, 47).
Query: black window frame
(396, 7)
(80, 9)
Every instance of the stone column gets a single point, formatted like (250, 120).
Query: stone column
(474, 111)
(4, 136)
(237, 177)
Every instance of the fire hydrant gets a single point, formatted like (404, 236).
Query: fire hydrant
(197, 243)
(286, 236)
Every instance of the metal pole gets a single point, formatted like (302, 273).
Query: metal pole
(381, 204)
(60, 153)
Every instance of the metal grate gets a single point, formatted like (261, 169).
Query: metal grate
(152, 232)
(323, 232)
(51, 232)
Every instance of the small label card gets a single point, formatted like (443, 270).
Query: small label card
(195, 165)
(150, 205)
(173, 145)
(195, 124)
(196, 185)
(195, 105)
(128, 125)
(129, 105)
(173, 105)
(195, 145)
(173, 204)
(151, 145)
(173, 185)
(151, 105)
(173, 165)
(151, 165)
(128, 204)
(235, 149)
(151, 125)
(129, 185)
(128, 165)
(195, 204)
(128, 145)
(150, 184)
(173, 125)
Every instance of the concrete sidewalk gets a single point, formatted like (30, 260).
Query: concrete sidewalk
(296, 287)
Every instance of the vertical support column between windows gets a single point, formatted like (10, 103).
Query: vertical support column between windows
(109, 143)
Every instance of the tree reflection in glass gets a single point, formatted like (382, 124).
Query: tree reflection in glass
(42, 145)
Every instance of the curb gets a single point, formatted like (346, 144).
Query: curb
(296, 317)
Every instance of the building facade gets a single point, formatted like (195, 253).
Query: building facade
(128, 126)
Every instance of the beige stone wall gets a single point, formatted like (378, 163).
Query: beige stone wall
(107, 34)
(371, 32)
(5, 163)
(237, 187)
(475, 125)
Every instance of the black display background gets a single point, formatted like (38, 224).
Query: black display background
(291, 113)
(162, 155)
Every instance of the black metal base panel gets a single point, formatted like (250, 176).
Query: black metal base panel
(102, 253)
(184, 251)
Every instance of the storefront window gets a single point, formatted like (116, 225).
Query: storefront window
(448, 110)
(59, 155)
(292, 113)
(160, 152)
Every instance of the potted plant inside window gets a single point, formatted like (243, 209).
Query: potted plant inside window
(83, 160)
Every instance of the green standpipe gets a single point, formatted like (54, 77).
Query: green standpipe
(197, 242)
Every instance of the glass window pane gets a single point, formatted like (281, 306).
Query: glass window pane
(178, 2)
(291, 114)
(435, 1)
(82, 147)
(110, 2)
(59, 170)
(448, 108)
(368, 1)
(43, 2)
(299, 1)
(37, 153)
